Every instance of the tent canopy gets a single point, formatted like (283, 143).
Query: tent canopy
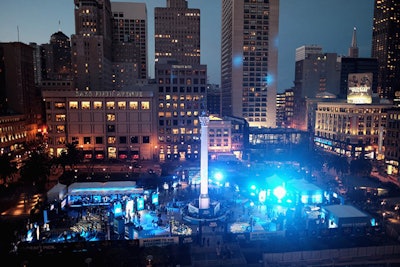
(57, 192)
(100, 188)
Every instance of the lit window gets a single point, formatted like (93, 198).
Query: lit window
(60, 117)
(73, 104)
(121, 105)
(59, 105)
(98, 104)
(111, 140)
(110, 105)
(133, 105)
(85, 105)
(110, 117)
(60, 128)
(145, 105)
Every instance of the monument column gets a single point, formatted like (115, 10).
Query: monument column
(204, 199)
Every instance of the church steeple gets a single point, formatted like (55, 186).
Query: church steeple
(353, 49)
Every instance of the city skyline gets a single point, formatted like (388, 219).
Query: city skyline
(297, 28)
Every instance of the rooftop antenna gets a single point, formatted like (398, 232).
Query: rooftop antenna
(17, 33)
(59, 25)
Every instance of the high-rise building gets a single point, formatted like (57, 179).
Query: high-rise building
(214, 99)
(37, 62)
(181, 99)
(177, 32)
(129, 43)
(386, 47)
(315, 72)
(280, 109)
(56, 58)
(20, 99)
(353, 49)
(249, 62)
(392, 145)
(92, 45)
(18, 92)
(289, 103)
(352, 64)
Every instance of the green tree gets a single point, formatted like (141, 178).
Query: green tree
(36, 170)
(361, 166)
(339, 164)
(70, 156)
(7, 167)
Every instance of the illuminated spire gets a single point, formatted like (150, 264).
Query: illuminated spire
(353, 50)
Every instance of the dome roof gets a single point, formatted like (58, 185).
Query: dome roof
(325, 95)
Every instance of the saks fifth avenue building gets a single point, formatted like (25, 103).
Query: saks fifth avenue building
(104, 124)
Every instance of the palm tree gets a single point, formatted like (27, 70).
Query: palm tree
(7, 167)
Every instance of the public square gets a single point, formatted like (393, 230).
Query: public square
(248, 229)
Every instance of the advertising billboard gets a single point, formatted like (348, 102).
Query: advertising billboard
(359, 88)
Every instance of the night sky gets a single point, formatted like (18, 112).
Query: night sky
(327, 23)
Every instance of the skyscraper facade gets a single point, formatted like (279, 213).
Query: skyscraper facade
(249, 63)
(18, 92)
(56, 58)
(129, 43)
(181, 99)
(92, 45)
(315, 72)
(177, 32)
(353, 64)
(386, 48)
(353, 49)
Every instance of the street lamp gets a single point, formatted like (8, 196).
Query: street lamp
(149, 259)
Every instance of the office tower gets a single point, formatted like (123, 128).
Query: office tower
(129, 44)
(177, 32)
(360, 66)
(92, 45)
(280, 109)
(37, 62)
(56, 58)
(214, 99)
(392, 146)
(315, 72)
(18, 93)
(353, 49)
(289, 103)
(249, 62)
(181, 99)
(386, 47)
(352, 64)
